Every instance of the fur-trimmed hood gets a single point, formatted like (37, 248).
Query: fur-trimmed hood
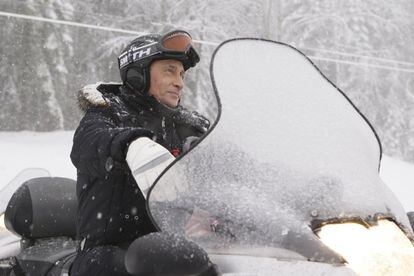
(89, 96)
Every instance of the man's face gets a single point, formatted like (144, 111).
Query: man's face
(167, 81)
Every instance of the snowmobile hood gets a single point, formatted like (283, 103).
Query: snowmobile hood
(277, 165)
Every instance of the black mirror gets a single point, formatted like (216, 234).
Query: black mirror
(167, 254)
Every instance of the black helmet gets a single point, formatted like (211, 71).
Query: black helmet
(135, 60)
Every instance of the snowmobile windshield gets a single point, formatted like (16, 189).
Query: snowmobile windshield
(289, 152)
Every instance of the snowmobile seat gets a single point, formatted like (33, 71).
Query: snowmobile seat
(43, 213)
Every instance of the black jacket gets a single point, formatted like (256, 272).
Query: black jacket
(111, 208)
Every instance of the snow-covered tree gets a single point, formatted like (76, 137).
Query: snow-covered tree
(42, 64)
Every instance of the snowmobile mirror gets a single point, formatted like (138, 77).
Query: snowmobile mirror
(167, 254)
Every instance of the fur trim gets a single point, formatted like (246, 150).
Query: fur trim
(90, 96)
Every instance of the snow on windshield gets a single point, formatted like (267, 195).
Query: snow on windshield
(288, 149)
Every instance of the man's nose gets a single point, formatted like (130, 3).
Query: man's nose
(179, 82)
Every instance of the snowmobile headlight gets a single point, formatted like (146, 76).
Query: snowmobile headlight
(382, 249)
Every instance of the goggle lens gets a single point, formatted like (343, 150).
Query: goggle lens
(177, 41)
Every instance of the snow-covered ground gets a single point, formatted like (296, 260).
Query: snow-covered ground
(48, 150)
(51, 150)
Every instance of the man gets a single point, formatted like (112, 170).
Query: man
(125, 126)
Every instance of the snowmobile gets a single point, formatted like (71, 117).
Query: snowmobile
(285, 182)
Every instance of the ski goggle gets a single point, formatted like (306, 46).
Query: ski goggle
(176, 41)
(174, 45)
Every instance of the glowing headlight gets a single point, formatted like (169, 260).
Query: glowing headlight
(378, 250)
